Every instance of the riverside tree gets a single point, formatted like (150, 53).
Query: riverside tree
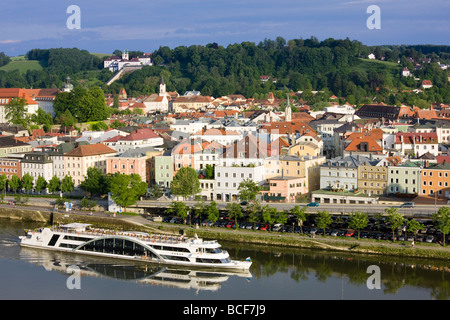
(95, 182)
(441, 221)
(248, 189)
(234, 212)
(300, 214)
(179, 209)
(414, 226)
(323, 220)
(41, 184)
(358, 220)
(185, 183)
(126, 189)
(395, 219)
(54, 185)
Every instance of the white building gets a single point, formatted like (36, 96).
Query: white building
(141, 138)
(343, 109)
(37, 164)
(228, 178)
(116, 63)
(224, 137)
(417, 143)
(192, 126)
(342, 173)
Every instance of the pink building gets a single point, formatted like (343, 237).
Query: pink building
(285, 189)
(128, 162)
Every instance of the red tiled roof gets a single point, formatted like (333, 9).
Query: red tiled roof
(90, 150)
(416, 137)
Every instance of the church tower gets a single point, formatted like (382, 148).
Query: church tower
(288, 111)
(162, 88)
(125, 55)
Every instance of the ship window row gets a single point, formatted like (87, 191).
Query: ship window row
(76, 238)
(68, 245)
(204, 260)
(117, 246)
(178, 258)
(177, 249)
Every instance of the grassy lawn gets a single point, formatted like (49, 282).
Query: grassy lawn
(376, 65)
(21, 64)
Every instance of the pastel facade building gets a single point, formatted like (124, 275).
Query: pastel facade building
(404, 179)
(285, 188)
(78, 160)
(435, 180)
(372, 179)
(131, 161)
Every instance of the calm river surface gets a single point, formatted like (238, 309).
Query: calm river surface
(276, 274)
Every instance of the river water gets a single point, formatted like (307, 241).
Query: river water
(276, 274)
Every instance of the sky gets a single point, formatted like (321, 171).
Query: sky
(145, 25)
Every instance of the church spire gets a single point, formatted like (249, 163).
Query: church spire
(288, 110)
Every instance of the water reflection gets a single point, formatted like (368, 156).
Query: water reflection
(143, 273)
(396, 272)
(276, 273)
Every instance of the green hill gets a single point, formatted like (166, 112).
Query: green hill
(22, 64)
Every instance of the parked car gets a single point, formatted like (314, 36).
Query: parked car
(230, 224)
(264, 227)
(277, 227)
(350, 233)
(334, 233)
(313, 204)
(429, 239)
(408, 205)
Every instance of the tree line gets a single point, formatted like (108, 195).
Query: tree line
(338, 66)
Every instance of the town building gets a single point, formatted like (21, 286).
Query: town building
(10, 166)
(435, 180)
(342, 173)
(284, 189)
(228, 178)
(404, 179)
(116, 63)
(37, 164)
(10, 145)
(372, 179)
(9, 94)
(140, 138)
(416, 143)
(78, 160)
(132, 161)
(160, 170)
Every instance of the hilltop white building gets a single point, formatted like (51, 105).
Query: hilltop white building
(116, 63)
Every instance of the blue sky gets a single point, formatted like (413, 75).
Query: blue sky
(148, 24)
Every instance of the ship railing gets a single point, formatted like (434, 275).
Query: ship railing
(172, 239)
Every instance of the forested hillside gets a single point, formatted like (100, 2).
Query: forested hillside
(338, 67)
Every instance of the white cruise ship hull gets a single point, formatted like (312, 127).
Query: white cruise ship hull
(137, 246)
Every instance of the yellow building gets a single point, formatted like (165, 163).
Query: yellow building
(304, 149)
(298, 167)
(372, 180)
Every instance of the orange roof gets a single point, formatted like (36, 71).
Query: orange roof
(288, 127)
(90, 150)
(357, 145)
(376, 134)
(10, 93)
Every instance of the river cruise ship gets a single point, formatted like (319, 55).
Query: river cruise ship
(156, 248)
